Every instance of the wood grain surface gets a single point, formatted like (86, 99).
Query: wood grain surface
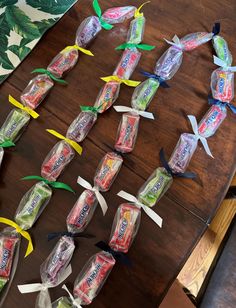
(157, 254)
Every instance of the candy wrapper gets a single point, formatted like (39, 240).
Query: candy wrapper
(32, 204)
(81, 126)
(222, 50)
(128, 63)
(36, 91)
(136, 30)
(82, 212)
(118, 15)
(87, 31)
(127, 133)
(144, 93)
(62, 302)
(14, 125)
(57, 159)
(155, 187)
(93, 276)
(107, 171)
(125, 227)
(194, 40)
(107, 96)
(63, 62)
(222, 85)
(212, 120)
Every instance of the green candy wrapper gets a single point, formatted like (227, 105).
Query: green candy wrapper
(155, 187)
(14, 125)
(3, 282)
(62, 302)
(136, 31)
(144, 93)
(32, 204)
(222, 50)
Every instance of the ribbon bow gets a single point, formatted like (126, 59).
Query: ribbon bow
(137, 11)
(216, 28)
(31, 112)
(130, 83)
(175, 42)
(37, 287)
(82, 182)
(98, 11)
(224, 65)
(18, 229)
(213, 101)
(7, 144)
(49, 74)
(118, 255)
(75, 302)
(203, 140)
(132, 45)
(91, 108)
(74, 144)
(188, 175)
(144, 114)
(53, 235)
(154, 216)
(162, 82)
(58, 185)
(83, 50)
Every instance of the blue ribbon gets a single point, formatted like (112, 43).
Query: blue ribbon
(162, 82)
(216, 28)
(69, 234)
(213, 101)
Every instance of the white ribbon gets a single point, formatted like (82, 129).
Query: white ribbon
(75, 302)
(99, 196)
(154, 216)
(37, 287)
(175, 42)
(203, 140)
(144, 114)
(223, 64)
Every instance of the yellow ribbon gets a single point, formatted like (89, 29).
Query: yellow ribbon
(137, 12)
(24, 233)
(130, 83)
(31, 112)
(86, 51)
(74, 144)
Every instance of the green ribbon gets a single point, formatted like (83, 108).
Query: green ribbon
(98, 11)
(91, 108)
(44, 71)
(140, 46)
(58, 185)
(7, 144)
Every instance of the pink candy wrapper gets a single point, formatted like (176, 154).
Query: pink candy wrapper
(118, 15)
(87, 31)
(107, 96)
(222, 85)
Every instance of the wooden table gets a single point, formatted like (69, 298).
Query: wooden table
(157, 254)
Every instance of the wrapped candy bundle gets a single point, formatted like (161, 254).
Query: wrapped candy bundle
(222, 85)
(136, 30)
(87, 31)
(62, 302)
(118, 14)
(107, 96)
(222, 50)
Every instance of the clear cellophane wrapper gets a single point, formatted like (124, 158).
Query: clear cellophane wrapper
(32, 205)
(136, 30)
(82, 212)
(81, 126)
(63, 302)
(14, 125)
(107, 171)
(125, 227)
(127, 132)
(155, 187)
(222, 50)
(87, 31)
(128, 62)
(183, 152)
(107, 96)
(144, 93)
(56, 160)
(52, 269)
(118, 15)
(63, 62)
(194, 40)
(92, 277)
(36, 91)
(222, 85)
(1, 155)
(9, 254)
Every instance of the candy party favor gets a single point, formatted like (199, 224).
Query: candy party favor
(107, 96)
(87, 31)
(222, 49)
(222, 85)
(117, 15)
(136, 30)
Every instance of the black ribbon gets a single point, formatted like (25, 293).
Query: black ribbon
(69, 234)
(118, 255)
(216, 28)
(213, 101)
(162, 82)
(188, 175)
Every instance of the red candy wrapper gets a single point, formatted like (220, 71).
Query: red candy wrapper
(128, 63)
(125, 227)
(107, 96)
(63, 62)
(127, 133)
(36, 91)
(222, 85)
(107, 171)
(82, 212)
(87, 31)
(193, 40)
(118, 15)
(56, 160)
(93, 276)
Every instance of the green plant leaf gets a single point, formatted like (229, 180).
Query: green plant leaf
(45, 24)
(54, 7)
(4, 3)
(21, 23)
(5, 31)
(20, 51)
